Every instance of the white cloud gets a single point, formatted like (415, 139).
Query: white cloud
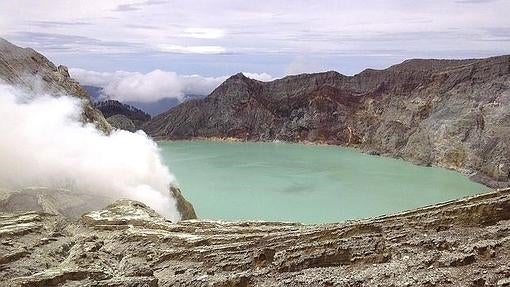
(255, 33)
(145, 87)
(264, 77)
(204, 33)
(191, 49)
(92, 78)
(305, 27)
(152, 86)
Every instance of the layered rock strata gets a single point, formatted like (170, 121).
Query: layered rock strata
(464, 242)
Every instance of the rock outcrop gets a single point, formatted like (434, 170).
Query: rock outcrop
(450, 113)
(464, 242)
(122, 122)
(72, 204)
(184, 207)
(122, 116)
(24, 67)
(50, 200)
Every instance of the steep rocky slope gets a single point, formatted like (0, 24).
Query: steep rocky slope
(24, 67)
(451, 113)
(460, 243)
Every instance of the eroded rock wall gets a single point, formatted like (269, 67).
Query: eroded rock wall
(460, 243)
(450, 113)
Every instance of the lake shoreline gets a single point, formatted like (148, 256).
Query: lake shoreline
(302, 177)
(471, 175)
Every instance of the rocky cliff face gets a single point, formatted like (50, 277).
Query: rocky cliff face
(450, 113)
(24, 67)
(460, 243)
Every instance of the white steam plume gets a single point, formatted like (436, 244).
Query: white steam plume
(44, 143)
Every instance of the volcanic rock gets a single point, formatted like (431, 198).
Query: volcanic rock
(449, 113)
(463, 242)
(184, 207)
(25, 68)
(121, 122)
(50, 200)
(122, 116)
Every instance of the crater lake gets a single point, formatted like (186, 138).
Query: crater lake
(303, 183)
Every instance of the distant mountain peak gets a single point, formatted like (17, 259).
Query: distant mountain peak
(237, 77)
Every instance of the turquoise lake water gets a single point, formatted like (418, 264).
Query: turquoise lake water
(303, 183)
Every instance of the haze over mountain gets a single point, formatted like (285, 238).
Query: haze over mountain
(153, 108)
(157, 107)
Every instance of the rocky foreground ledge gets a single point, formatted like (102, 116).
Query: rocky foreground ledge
(460, 243)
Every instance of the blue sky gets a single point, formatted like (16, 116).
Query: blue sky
(216, 38)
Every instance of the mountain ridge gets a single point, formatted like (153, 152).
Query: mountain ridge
(448, 113)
